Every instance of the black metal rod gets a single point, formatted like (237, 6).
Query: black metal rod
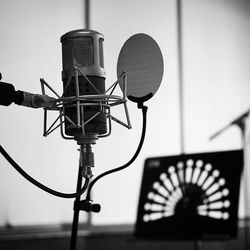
(74, 230)
(87, 14)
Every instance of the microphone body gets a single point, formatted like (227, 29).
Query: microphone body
(83, 49)
(8, 95)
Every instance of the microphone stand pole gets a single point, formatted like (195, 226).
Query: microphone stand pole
(241, 123)
(74, 228)
(86, 162)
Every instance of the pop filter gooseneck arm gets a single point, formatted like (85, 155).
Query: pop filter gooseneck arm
(141, 106)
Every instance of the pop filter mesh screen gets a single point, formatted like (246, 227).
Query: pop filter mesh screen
(142, 59)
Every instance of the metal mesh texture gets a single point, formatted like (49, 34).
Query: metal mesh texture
(101, 52)
(78, 51)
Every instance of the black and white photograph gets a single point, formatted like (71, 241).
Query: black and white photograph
(125, 124)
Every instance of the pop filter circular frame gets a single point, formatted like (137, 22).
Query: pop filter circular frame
(141, 59)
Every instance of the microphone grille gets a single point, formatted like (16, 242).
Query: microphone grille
(83, 49)
(78, 51)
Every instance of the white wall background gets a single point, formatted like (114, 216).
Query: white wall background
(118, 20)
(30, 48)
(216, 37)
(216, 61)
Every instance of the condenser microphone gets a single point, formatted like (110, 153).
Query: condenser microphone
(83, 75)
(9, 95)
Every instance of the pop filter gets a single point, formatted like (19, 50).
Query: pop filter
(141, 58)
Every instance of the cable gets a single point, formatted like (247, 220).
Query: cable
(40, 185)
(144, 113)
(85, 186)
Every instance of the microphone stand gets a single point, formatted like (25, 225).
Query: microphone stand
(240, 122)
(86, 162)
(74, 228)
